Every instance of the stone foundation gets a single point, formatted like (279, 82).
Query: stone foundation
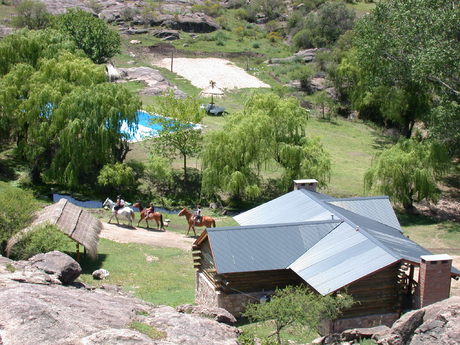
(234, 303)
(340, 325)
(204, 291)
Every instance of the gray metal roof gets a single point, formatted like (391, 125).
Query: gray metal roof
(341, 257)
(377, 208)
(387, 237)
(296, 206)
(328, 263)
(264, 247)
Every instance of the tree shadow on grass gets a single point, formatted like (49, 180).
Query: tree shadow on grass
(408, 219)
(382, 141)
(8, 166)
(88, 265)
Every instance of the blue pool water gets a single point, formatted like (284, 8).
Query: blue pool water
(144, 120)
(145, 128)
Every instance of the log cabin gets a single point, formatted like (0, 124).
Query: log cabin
(331, 245)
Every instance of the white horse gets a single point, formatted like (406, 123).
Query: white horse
(126, 211)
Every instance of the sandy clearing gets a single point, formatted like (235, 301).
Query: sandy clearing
(124, 234)
(200, 71)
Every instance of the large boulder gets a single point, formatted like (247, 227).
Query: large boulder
(49, 314)
(364, 333)
(218, 314)
(436, 324)
(167, 35)
(190, 22)
(58, 264)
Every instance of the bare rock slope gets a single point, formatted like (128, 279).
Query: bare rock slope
(436, 324)
(37, 309)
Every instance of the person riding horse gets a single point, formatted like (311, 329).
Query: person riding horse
(197, 215)
(120, 203)
(150, 209)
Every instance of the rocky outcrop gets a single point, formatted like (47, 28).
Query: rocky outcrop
(50, 313)
(156, 83)
(364, 333)
(436, 324)
(306, 56)
(62, 6)
(166, 35)
(190, 22)
(218, 314)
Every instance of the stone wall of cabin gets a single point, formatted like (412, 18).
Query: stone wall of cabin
(205, 293)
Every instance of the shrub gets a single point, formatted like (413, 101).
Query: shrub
(32, 15)
(42, 239)
(210, 7)
(241, 13)
(256, 45)
(117, 177)
(15, 213)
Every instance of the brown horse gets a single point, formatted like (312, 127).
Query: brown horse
(204, 221)
(156, 216)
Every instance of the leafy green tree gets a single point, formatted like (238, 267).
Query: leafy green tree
(327, 105)
(90, 34)
(408, 172)
(323, 27)
(269, 129)
(407, 52)
(444, 123)
(60, 108)
(177, 133)
(32, 15)
(297, 306)
(16, 212)
(117, 177)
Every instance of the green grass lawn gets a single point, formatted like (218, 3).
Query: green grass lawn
(168, 279)
(438, 237)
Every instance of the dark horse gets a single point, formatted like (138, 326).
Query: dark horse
(204, 221)
(156, 216)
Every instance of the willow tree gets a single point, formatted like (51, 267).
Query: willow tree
(408, 172)
(60, 109)
(177, 133)
(269, 130)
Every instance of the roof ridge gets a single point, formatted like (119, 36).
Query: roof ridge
(377, 197)
(366, 233)
(275, 225)
(371, 219)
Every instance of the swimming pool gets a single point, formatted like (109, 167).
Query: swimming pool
(146, 129)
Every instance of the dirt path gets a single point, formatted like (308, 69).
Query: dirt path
(124, 234)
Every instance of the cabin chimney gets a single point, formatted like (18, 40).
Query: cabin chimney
(309, 184)
(434, 279)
